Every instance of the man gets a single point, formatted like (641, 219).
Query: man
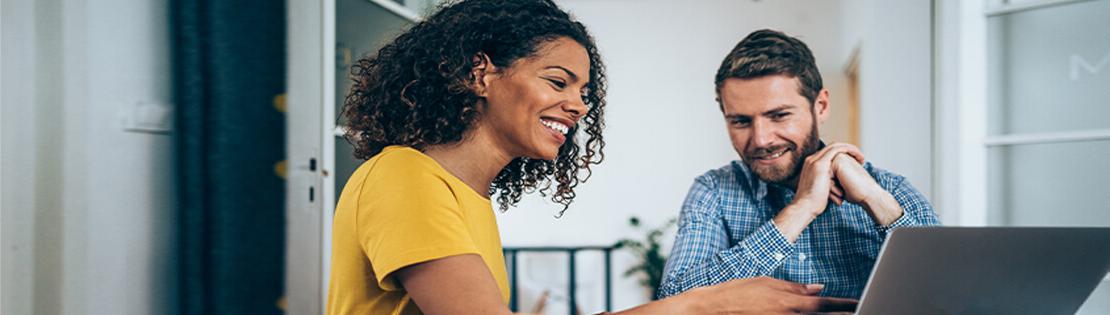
(792, 208)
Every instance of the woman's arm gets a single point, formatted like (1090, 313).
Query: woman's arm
(453, 285)
(761, 295)
(463, 285)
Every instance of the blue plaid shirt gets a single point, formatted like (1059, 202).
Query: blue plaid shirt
(726, 232)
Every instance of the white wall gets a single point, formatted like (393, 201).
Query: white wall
(664, 127)
(32, 248)
(93, 204)
(16, 177)
(896, 95)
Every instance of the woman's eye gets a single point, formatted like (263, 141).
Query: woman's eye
(558, 84)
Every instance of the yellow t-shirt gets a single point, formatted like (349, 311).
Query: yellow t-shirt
(401, 208)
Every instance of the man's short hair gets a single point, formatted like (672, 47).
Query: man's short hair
(768, 52)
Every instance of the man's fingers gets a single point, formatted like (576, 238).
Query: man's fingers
(835, 189)
(836, 194)
(853, 151)
(820, 154)
(856, 154)
(828, 153)
(832, 150)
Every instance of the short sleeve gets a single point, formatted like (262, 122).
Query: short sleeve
(407, 214)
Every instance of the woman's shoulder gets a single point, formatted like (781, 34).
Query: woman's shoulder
(398, 163)
(399, 156)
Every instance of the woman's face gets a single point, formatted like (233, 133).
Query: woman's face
(534, 103)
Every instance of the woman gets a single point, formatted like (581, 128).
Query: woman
(483, 97)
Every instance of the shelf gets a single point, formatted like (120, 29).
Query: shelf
(398, 9)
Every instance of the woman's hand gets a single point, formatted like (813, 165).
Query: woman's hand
(766, 295)
(761, 295)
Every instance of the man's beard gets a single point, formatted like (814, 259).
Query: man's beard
(784, 174)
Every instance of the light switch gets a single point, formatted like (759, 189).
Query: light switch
(147, 117)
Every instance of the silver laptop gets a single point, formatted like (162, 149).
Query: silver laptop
(992, 270)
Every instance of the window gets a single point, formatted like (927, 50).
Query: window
(1048, 121)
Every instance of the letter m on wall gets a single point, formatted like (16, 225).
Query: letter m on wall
(1079, 64)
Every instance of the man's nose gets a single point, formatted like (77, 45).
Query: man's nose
(762, 135)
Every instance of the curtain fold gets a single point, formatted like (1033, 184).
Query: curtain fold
(229, 70)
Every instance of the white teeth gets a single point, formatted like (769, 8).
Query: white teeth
(561, 128)
(773, 156)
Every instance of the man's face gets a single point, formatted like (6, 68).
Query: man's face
(772, 126)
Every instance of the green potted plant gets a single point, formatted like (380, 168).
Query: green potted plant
(650, 252)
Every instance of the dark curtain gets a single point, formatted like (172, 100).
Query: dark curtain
(229, 70)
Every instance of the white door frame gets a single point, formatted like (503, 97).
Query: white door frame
(310, 150)
(960, 81)
(310, 134)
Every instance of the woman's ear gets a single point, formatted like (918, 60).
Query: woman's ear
(481, 72)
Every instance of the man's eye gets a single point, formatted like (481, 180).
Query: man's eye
(780, 115)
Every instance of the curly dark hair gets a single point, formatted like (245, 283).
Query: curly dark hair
(416, 91)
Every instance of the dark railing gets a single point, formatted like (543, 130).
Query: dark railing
(511, 255)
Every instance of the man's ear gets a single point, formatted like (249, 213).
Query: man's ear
(481, 72)
(821, 106)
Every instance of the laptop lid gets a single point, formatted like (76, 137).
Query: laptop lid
(986, 270)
